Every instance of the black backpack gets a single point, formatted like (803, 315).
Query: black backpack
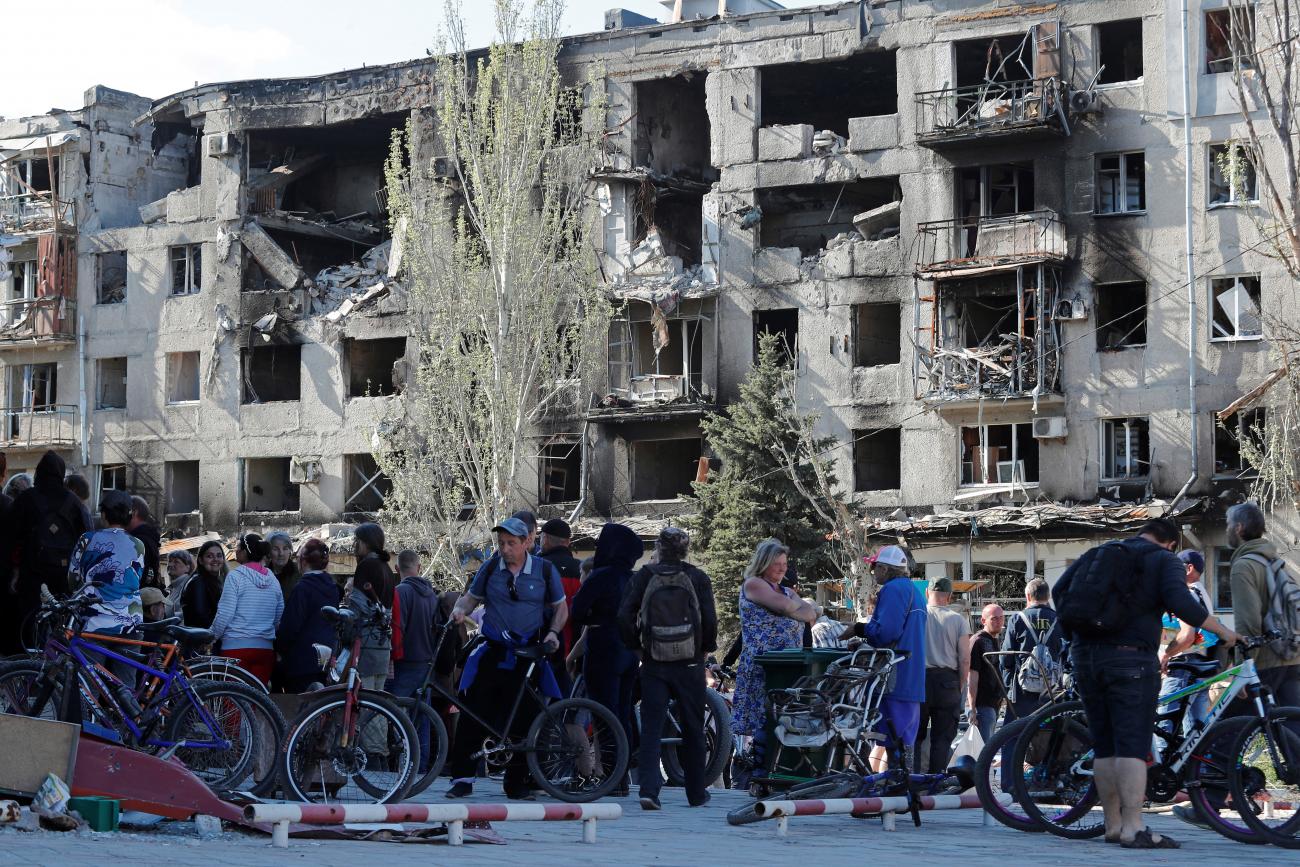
(54, 537)
(1095, 596)
(669, 619)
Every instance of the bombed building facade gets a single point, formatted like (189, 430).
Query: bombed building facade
(967, 220)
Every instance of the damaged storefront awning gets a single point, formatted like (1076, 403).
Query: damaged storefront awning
(13, 147)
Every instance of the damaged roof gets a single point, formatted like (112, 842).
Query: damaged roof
(1110, 518)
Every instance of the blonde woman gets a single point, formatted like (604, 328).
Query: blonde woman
(771, 618)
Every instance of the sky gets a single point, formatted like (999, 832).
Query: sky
(157, 47)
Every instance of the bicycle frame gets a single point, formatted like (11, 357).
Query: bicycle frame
(1241, 677)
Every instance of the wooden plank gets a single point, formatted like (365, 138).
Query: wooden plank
(34, 748)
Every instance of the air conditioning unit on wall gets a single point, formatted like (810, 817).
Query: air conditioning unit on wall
(1050, 428)
(219, 144)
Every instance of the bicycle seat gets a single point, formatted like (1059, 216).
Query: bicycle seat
(533, 652)
(1196, 667)
(160, 627)
(190, 636)
(338, 615)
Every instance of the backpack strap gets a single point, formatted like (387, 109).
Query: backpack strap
(1033, 633)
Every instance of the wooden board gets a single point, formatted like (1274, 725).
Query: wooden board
(33, 748)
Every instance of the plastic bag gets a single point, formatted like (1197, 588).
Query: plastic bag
(969, 743)
(52, 797)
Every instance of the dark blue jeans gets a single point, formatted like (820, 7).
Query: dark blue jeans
(408, 677)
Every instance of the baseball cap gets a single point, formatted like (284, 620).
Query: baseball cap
(1193, 557)
(890, 555)
(151, 596)
(513, 526)
(941, 585)
(558, 528)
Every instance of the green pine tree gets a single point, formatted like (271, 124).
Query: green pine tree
(752, 496)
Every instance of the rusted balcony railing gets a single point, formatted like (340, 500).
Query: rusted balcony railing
(38, 427)
(34, 212)
(989, 110)
(47, 319)
(982, 242)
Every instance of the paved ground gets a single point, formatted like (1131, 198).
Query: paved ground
(675, 836)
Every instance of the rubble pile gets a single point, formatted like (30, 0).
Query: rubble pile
(339, 290)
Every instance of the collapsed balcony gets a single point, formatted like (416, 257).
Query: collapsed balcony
(969, 245)
(662, 357)
(992, 336)
(40, 305)
(30, 171)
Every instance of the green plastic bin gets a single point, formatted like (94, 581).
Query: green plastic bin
(787, 766)
(102, 814)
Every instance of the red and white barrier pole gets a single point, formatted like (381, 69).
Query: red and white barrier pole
(454, 815)
(887, 807)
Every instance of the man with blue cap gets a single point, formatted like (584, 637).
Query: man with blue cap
(517, 591)
(1185, 641)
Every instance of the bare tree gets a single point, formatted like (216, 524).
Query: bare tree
(508, 320)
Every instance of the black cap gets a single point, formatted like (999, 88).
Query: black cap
(558, 528)
(112, 499)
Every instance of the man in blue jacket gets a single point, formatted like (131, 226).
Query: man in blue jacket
(898, 624)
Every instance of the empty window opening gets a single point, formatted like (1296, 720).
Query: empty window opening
(1232, 175)
(110, 277)
(826, 94)
(1235, 305)
(182, 377)
(1121, 315)
(664, 469)
(32, 388)
(809, 216)
(110, 383)
(182, 479)
(1229, 39)
(877, 459)
(1119, 50)
(659, 360)
(672, 127)
(876, 334)
(187, 269)
(112, 477)
(271, 373)
(1121, 183)
(999, 454)
(365, 486)
(267, 487)
(1125, 448)
(1229, 459)
(784, 323)
(40, 173)
(560, 473)
(676, 212)
(1001, 58)
(370, 365)
(995, 191)
(1222, 590)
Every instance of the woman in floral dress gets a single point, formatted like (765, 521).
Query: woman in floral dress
(771, 618)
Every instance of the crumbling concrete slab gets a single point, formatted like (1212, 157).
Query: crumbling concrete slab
(873, 133)
(871, 223)
(185, 206)
(277, 264)
(777, 265)
(785, 142)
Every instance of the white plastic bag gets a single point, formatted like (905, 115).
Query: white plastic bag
(969, 743)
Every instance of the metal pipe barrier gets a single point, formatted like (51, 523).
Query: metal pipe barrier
(454, 815)
(886, 807)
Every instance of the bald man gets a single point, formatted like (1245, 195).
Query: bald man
(985, 691)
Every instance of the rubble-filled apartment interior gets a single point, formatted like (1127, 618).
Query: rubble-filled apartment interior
(947, 212)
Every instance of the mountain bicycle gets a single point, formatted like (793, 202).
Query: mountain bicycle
(1057, 789)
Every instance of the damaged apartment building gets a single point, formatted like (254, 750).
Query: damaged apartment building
(965, 220)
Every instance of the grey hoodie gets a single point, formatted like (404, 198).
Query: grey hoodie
(1250, 597)
(376, 645)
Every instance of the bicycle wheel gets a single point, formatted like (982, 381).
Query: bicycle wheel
(577, 750)
(224, 669)
(1264, 775)
(26, 689)
(421, 714)
(322, 762)
(246, 719)
(1206, 775)
(1057, 789)
(717, 741)
(1011, 815)
(841, 785)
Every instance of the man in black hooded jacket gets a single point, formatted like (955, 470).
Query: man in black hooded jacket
(48, 519)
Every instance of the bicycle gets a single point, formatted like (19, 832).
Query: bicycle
(575, 748)
(1058, 793)
(348, 744)
(1265, 776)
(226, 733)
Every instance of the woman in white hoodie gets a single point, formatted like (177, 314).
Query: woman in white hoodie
(250, 609)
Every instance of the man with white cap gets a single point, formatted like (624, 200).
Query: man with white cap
(898, 623)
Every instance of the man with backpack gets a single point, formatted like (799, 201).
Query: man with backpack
(1032, 631)
(668, 616)
(1110, 602)
(1265, 597)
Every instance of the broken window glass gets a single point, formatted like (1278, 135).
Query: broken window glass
(110, 277)
(1121, 310)
(1232, 175)
(877, 459)
(1119, 51)
(1228, 457)
(876, 332)
(110, 383)
(186, 267)
(1229, 39)
(112, 477)
(1235, 304)
(1125, 450)
(1121, 183)
(999, 454)
(182, 377)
